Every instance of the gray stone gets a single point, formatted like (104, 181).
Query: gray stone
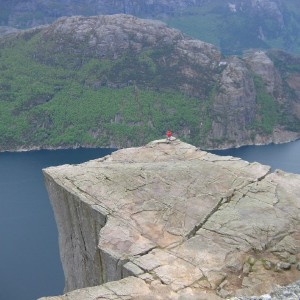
(268, 264)
(284, 265)
(290, 292)
(180, 220)
(246, 268)
(292, 259)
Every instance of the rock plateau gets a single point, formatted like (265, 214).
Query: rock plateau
(169, 221)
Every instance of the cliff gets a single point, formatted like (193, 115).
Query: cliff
(169, 221)
(120, 81)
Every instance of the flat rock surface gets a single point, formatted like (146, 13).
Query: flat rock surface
(186, 224)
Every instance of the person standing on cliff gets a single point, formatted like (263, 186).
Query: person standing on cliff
(169, 135)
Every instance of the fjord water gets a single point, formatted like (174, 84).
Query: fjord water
(283, 156)
(29, 259)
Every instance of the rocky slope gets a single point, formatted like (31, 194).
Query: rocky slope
(170, 221)
(174, 82)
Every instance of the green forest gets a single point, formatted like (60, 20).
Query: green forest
(43, 104)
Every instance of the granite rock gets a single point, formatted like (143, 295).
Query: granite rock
(169, 221)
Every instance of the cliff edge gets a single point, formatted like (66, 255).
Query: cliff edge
(169, 221)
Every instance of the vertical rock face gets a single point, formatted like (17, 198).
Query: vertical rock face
(234, 107)
(170, 221)
(260, 64)
(78, 225)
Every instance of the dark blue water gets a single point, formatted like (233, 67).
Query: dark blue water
(29, 257)
(284, 156)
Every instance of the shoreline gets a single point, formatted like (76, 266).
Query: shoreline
(253, 144)
(40, 148)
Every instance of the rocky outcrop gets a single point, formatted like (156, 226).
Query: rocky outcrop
(261, 64)
(291, 292)
(234, 106)
(113, 37)
(169, 221)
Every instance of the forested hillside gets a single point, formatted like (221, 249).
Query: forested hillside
(117, 81)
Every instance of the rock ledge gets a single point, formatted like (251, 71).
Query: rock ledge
(169, 221)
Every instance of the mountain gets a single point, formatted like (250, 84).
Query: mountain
(232, 26)
(118, 80)
(235, 26)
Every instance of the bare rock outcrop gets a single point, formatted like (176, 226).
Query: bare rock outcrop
(169, 221)
(234, 105)
(110, 37)
(263, 66)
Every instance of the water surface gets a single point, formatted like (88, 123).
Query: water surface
(29, 257)
(279, 156)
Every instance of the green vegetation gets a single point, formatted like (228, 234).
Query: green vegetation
(42, 104)
(267, 108)
(201, 23)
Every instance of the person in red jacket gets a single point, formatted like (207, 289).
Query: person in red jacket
(169, 135)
